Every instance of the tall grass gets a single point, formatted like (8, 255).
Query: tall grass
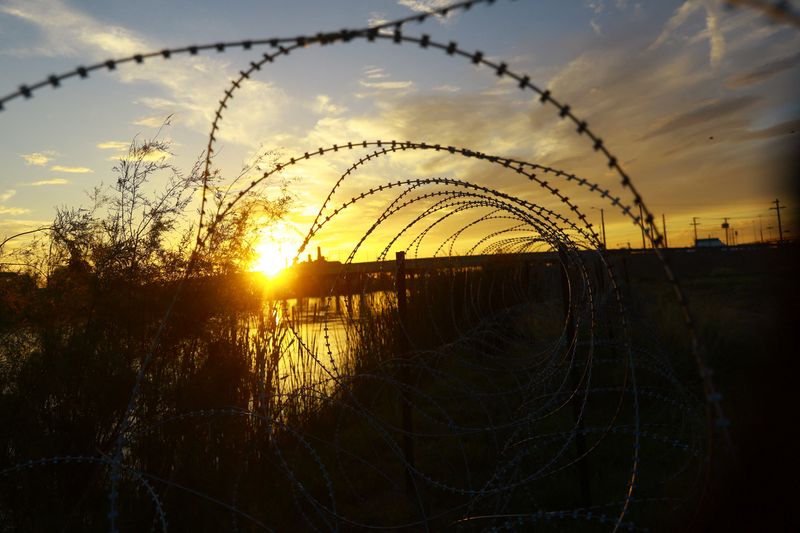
(248, 415)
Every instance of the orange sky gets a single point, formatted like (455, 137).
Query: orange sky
(696, 102)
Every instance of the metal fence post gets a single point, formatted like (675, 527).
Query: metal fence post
(407, 421)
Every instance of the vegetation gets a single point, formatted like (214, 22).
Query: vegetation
(79, 310)
(245, 415)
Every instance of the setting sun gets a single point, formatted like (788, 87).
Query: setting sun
(276, 249)
(399, 265)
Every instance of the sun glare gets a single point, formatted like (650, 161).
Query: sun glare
(270, 259)
(275, 250)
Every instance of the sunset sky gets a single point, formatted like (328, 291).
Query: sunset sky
(697, 101)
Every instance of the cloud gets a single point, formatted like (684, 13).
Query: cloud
(644, 103)
(151, 155)
(599, 6)
(787, 127)
(372, 74)
(447, 88)
(644, 97)
(256, 113)
(676, 20)
(377, 18)
(6, 196)
(426, 6)
(387, 85)
(375, 73)
(153, 121)
(764, 72)
(190, 85)
(54, 181)
(716, 38)
(596, 6)
(123, 147)
(713, 31)
(705, 114)
(71, 170)
(324, 106)
(114, 145)
(13, 210)
(70, 32)
(38, 159)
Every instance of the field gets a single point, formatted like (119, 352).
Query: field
(493, 407)
(745, 303)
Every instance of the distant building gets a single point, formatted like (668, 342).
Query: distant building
(709, 243)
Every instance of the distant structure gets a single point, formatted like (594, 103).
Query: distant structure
(711, 242)
(320, 257)
(320, 264)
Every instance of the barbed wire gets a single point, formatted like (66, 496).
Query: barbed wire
(517, 375)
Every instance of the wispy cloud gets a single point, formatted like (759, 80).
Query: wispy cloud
(151, 155)
(706, 114)
(6, 196)
(54, 181)
(191, 85)
(154, 121)
(376, 18)
(38, 159)
(387, 85)
(596, 6)
(70, 32)
(782, 129)
(662, 111)
(716, 38)
(680, 16)
(426, 6)
(325, 106)
(764, 72)
(377, 79)
(375, 73)
(122, 149)
(114, 145)
(13, 210)
(447, 88)
(713, 31)
(71, 170)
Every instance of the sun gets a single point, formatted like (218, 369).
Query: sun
(270, 259)
(275, 250)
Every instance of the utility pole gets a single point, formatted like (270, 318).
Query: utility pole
(695, 224)
(664, 225)
(761, 228)
(777, 209)
(641, 225)
(603, 225)
(725, 226)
